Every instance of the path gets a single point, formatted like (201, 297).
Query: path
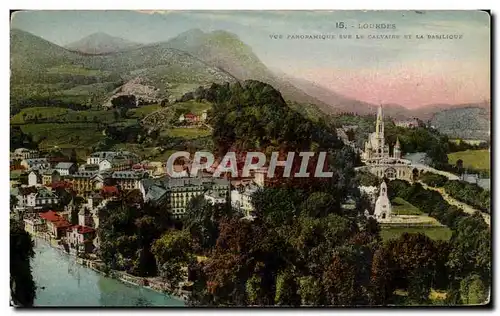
(427, 168)
(465, 207)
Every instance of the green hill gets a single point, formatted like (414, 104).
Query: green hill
(101, 43)
(466, 122)
(226, 51)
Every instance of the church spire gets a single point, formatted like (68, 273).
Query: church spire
(379, 128)
(398, 145)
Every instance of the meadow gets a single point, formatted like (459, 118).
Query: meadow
(186, 133)
(435, 233)
(476, 159)
(402, 207)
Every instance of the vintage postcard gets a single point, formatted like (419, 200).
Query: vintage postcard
(250, 158)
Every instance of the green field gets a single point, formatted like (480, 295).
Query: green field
(476, 159)
(77, 70)
(192, 106)
(435, 233)
(143, 110)
(56, 114)
(402, 207)
(186, 133)
(73, 135)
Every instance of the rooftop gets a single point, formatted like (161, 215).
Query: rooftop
(64, 165)
(127, 175)
(82, 229)
(51, 216)
(36, 160)
(84, 174)
(21, 150)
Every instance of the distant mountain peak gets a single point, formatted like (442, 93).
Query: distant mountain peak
(101, 43)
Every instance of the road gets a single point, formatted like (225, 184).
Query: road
(465, 207)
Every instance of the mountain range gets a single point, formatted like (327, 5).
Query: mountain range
(101, 43)
(177, 66)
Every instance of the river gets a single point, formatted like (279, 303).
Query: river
(62, 282)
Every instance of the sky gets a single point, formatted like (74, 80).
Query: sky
(410, 72)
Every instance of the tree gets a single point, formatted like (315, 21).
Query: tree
(419, 281)
(459, 165)
(470, 248)
(310, 291)
(202, 220)
(414, 257)
(173, 252)
(473, 291)
(13, 202)
(287, 289)
(277, 205)
(318, 204)
(381, 282)
(22, 285)
(339, 282)
(73, 157)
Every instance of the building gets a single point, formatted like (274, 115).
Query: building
(34, 225)
(413, 123)
(81, 238)
(56, 224)
(35, 163)
(88, 167)
(66, 168)
(97, 157)
(189, 118)
(116, 163)
(375, 146)
(379, 161)
(241, 199)
(45, 198)
(34, 178)
(383, 207)
(204, 115)
(85, 182)
(50, 177)
(175, 193)
(25, 197)
(215, 197)
(34, 198)
(85, 218)
(24, 153)
(127, 180)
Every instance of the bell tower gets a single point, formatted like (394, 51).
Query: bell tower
(379, 132)
(397, 149)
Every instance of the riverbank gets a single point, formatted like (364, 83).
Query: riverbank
(151, 283)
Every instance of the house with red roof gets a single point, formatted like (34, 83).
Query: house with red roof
(189, 118)
(56, 224)
(81, 237)
(109, 191)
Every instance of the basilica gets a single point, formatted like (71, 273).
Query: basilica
(377, 157)
(375, 147)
